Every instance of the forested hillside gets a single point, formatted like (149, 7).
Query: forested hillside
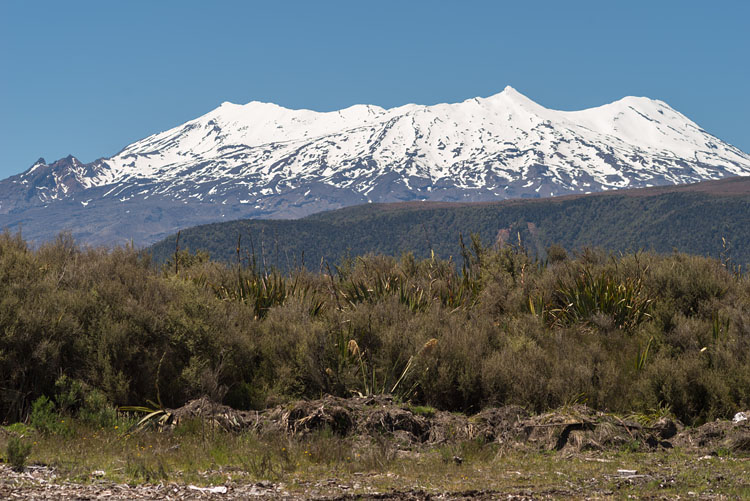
(711, 219)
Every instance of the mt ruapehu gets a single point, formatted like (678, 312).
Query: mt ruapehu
(263, 160)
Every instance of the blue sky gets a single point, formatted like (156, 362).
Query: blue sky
(88, 78)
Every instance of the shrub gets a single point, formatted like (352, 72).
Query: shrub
(451, 379)
(44, 417)
(686, 285)
(97, 410)
(96, 328)
(621, 298)
(693, 391)
(17, 451)
(69, 394)
(556, 254)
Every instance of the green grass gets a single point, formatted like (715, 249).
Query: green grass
(422, 410)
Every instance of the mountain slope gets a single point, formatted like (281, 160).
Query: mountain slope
(710, 218)
(263, 160)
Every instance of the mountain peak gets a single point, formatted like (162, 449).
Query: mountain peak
(513, 100)
(511, 92)
(263, 160)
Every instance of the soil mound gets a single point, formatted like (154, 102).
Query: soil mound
(717, 436)
(580, 428)
(217, 414)
(572, 428)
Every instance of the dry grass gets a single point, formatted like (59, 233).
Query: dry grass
(323, 464)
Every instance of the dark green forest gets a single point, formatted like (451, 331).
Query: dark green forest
(701, 223)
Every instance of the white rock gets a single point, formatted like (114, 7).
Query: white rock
(221, 489)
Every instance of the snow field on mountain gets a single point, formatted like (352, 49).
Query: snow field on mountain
(503, 145)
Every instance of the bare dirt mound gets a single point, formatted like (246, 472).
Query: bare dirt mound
(217, 414)
(574, 428)
(717, 436)
(580, 428)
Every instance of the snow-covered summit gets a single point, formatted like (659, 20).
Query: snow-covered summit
(261, 159)
(499, 137)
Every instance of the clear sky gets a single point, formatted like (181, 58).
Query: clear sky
(88, 78)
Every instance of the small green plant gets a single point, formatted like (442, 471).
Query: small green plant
(17, 452)
(19, 428)
(69, 394)
(651, 416)
(371, 384)
(723, 452)
(630, 446)
(467, 451)
(643, 355)
(624, 299)
(96, 410)
(139, 468)
(574, 401)
(260, 467)
(191, 427)
(44, 417)
(260, 290)
(422, 410)
(719, 327)
(448, 453)
(156, 416)
(538, 307)
(378, 455)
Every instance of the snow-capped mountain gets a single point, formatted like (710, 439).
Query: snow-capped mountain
(263, 160)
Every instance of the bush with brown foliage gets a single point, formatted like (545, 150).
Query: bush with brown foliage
(621, 333)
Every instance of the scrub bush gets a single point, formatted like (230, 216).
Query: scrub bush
(97, 329)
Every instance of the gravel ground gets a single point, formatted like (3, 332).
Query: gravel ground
(40, 483)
